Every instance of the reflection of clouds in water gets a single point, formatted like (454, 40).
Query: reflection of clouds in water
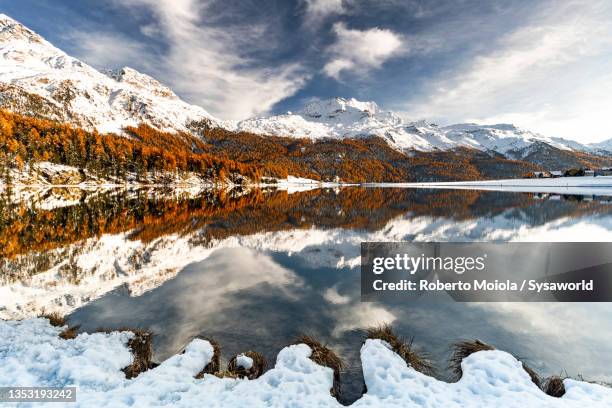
(575, 335)
(335, 298)
(218, 284)
(217, 293)
(568, 230)
(349, 313)
(115, 260)
(359, 316)
(340, 248)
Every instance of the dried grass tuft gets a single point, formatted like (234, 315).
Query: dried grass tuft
(225, 374)
(259, 366)
(141, 346)
(55, 319)
(214, 366)
(418, 361)
(70, 332)
(324, 356)
(554, 386)
(535, 377)
(464, 349)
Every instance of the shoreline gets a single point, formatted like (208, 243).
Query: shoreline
(394, 374)
(567, 185)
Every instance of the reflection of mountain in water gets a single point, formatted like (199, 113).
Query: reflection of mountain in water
(59, 258)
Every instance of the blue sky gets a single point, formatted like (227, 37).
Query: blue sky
(543, 65)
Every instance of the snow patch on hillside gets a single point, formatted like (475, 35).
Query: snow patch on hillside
(32, 354)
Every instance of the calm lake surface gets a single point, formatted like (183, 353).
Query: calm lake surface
(255, 269)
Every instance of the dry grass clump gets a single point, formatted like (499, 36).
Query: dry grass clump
(324, 356)
(464, 349)
(418, 361)
(535, 377)
(214, 366)
(225, 374)
(141, 346)
(258, 368)
(553, 386)
(55, 319)
(70, 332)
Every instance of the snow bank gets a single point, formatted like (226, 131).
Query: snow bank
(490, 379)
(32, 354)
(298, 184)
(601, 185)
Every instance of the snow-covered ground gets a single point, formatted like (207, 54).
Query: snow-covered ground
(32, 354)
(601, 185)
(297, 184)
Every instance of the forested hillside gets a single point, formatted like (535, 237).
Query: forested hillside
(221, 155)
(25, 140)
(360, 160)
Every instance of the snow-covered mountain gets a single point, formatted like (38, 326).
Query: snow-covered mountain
(340, 118)
(38, 78)
(605, 146)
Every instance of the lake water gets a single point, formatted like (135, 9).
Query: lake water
(255, 269)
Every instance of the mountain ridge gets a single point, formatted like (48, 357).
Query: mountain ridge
(38, 79)
(78, 93)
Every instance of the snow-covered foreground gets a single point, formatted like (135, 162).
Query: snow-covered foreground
(563, 185)
(32, 354)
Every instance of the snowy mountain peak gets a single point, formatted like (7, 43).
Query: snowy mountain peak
(331, 108)
(38, 78)
(13, 30)
(139, 80)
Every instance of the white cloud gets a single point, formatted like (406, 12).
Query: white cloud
(360, 51)
(318, 10)
(105, 50)
(206, 64)
(551, 75)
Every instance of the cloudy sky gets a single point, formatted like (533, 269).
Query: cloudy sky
(543, 65)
